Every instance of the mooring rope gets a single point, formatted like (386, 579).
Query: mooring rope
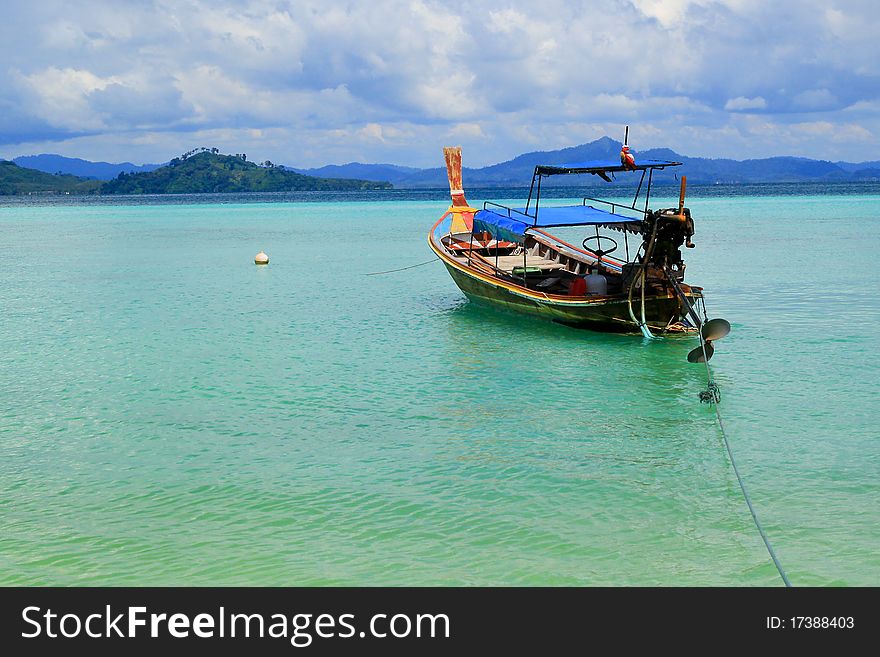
(712, 395)
(391, 271)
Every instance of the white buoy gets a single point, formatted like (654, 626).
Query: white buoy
(261, 259)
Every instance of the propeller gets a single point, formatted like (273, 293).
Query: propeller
(715, 329)
(696, 355)
(712, 330)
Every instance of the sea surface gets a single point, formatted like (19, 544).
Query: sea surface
(172, 414)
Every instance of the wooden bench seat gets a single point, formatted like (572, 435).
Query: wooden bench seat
(511, 262)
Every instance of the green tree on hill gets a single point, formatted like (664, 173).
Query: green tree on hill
(203, 171)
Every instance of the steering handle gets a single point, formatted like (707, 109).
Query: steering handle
(597, 251)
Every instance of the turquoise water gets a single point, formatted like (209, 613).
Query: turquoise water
(172, 414)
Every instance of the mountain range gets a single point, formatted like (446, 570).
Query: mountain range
(201, 171)
(74, 166)
(518, 171)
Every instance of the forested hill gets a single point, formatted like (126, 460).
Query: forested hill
(16, 180)
(208, 172)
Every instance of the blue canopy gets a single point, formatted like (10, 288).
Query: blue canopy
(596, 166)
(513, 224)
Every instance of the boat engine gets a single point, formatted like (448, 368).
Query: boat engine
(674, 227)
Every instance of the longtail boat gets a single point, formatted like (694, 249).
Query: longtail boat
(509, 257)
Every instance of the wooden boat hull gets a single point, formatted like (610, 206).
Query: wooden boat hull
(603, 313)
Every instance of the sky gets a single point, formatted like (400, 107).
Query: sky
(307, 83)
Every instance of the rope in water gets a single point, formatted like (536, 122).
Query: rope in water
(712, 395)
(391, 271)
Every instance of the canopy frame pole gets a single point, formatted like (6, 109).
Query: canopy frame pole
(535, 223)
(537, 200)
(638, 189)
(648, 191)
(531, 189)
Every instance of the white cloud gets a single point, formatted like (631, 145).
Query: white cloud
(60, 96)
(741, 103)
(815, 99)
(667, 12)
(319, 77)
(372, 131)
(865, 107)
(466, 130)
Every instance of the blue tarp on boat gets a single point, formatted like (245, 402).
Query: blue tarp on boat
(595, 166)
(512, 226)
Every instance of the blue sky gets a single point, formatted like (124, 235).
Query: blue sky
(310, 83)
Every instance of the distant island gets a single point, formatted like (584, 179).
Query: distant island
(206, 170)
(16, 180)
(518, 171)
(51, 163)
(201, 171)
